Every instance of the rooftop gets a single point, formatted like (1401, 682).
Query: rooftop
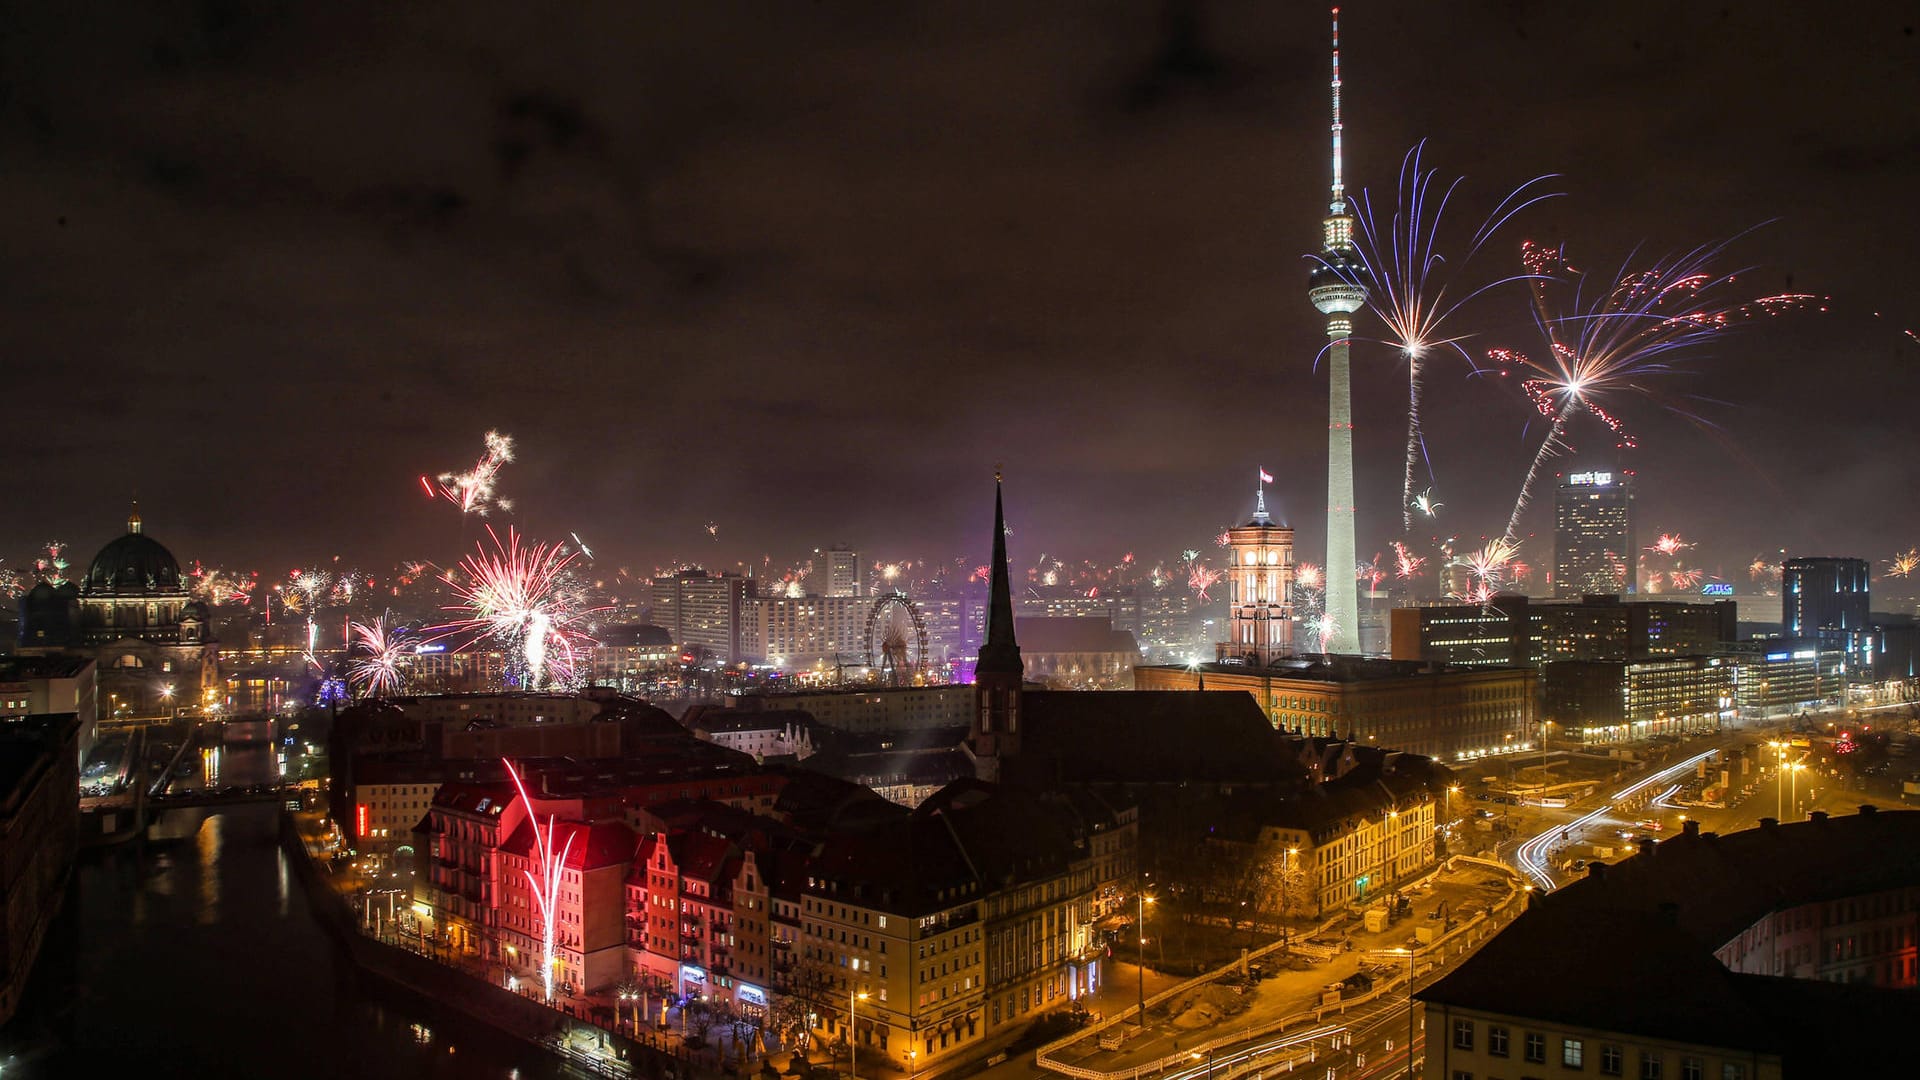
(1591, 949)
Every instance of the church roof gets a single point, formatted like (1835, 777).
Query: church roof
(1146, 736)
(133, 565)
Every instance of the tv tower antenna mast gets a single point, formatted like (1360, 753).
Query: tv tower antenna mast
(1336, 288)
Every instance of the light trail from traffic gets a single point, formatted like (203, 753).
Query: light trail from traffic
(1532, 855)
(1224, 1063)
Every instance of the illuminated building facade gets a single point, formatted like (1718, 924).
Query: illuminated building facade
(1449, 714)
(1351, 839)
(1512, 629)
(1593, 547)
(805, 631)
(133, 614)
(836, 572)
(1827, 599)
(630, 658)
(702, 611)
(1619, 700)
(1780, 676)
(1260, 590)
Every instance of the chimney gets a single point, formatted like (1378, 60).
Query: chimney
(1868, 809)
(1646, 846)
(1690, 827)
(1596, 869)
(1769, 823)
(1819, 816)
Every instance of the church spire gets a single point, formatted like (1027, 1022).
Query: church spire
(133, 518)
(1000, 653)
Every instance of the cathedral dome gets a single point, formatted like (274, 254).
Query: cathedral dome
(134, 564)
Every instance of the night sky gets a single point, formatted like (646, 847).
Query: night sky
(808, 271)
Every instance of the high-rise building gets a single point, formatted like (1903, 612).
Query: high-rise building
(703, 610)
(1337, 289)
(1593, 551)
(1824, 597)
(802, 631)
(837, 572)
(1260, 586)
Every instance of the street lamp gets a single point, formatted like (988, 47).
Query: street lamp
(1793, 769)
(1196, 1056)
(1140, 969)
(853, 1047)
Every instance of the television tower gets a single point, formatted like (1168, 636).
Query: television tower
(1337, 290)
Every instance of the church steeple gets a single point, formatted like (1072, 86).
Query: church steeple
(998, 675)
(133, 518)
(1000, 653)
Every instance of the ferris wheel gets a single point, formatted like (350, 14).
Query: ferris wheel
(896, 640)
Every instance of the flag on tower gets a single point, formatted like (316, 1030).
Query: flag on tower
(1266, 477)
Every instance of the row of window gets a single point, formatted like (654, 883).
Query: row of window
(1573, 1053)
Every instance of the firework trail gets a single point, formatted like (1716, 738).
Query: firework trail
(1426, 505)
(1308, 576)
(1370, 573)
(525, 598)
(1611, 344)
(1904, 564)
(379, 658)
(473, 491)
(713, 530)
(545, 885)
(1408, 280)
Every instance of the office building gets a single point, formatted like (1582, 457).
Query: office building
(702, 611)
(1593, 547)
(1620, 700)
(1827, 599)
(1446, 713)
(795, 632)
(836, 572)
(1512, 629)
(630, 658)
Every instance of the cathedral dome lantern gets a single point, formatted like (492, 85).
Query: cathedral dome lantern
(136, 564)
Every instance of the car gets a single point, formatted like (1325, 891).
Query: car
(1650, 826)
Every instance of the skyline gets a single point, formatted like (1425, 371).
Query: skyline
(830, 306)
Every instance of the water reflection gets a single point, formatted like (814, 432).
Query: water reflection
(194, 953)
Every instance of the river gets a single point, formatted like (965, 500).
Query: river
(192, 952)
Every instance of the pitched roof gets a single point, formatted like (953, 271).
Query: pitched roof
(1146, 736)
(586, 846)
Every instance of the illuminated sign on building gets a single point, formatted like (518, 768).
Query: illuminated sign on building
(1716, 588)
(360, 820)
(689, 973)
(750, 994)
(1590, 479)
(420, 649)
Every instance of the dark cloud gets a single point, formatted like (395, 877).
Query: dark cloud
(809, 270)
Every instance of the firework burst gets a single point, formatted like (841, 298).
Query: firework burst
(1201, 578)
(1612, 344)
(1413, 287)
(380, 652)
(474, 491)
(524, 598)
